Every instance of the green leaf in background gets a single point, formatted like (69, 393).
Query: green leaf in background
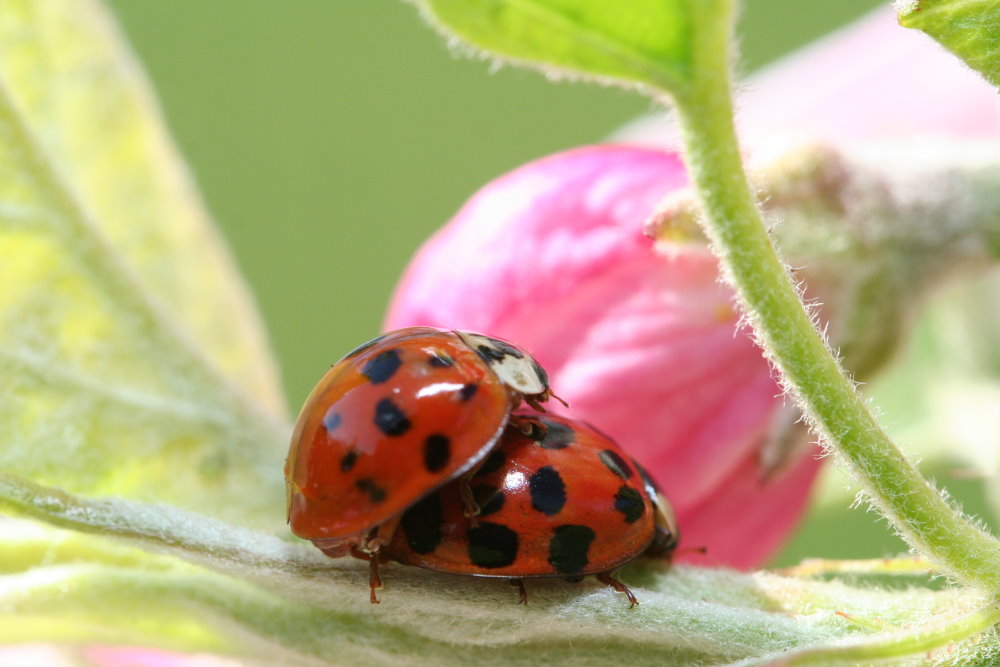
(641, 41)
(969, 29)
(132, 360)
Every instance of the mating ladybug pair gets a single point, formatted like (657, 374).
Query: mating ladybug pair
(410, 449)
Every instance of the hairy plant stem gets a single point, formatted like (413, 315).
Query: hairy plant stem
(732, 220)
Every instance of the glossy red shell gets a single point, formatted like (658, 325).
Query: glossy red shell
(568, 505)
(387, 425)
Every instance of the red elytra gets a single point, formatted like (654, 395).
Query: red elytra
(394, 420)
(565, 504)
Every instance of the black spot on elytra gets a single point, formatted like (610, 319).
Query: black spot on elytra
(568, 548)
(489, 498)
(557, 435)
(440, 360)
(548, 491)
(492, 545)
(361, 348)
(375, 492)
(348, 460)
(331, 420)
(468, 391)
(628, 501)
(390, 419)
(493, 462)
(382, 367)
(422, 524)
(616, 463)
(437, 452)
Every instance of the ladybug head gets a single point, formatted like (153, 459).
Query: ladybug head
(667, 534)
(515, 367)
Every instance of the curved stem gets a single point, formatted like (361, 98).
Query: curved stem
(829, 399)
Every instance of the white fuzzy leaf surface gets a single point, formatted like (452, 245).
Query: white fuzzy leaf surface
(253, 596)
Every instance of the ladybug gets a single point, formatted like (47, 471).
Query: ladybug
(393, 420)
(563, 500)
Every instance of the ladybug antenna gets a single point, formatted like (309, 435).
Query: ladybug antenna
(536, 402)
(565, 404)
(693, 550)
(701, 551)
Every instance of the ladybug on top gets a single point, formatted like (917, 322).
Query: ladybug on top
(394, 420)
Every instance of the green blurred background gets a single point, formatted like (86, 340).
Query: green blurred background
(330, 137)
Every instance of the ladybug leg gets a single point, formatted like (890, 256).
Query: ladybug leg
(369, 549)
(529, 427)
(520, 589)
(606, 578)
(374, 581)
(469, 504)
(535, 403)
(380, 535)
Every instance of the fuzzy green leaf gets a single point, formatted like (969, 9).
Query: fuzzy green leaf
(131, 357)
(254, 596)
(641, 41)
(969, 29)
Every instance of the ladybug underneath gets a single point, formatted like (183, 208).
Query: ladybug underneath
(562, 501)
(391, 422)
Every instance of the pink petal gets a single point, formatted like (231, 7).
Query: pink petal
(655, 361)
(504, 246)
(872, 79)
(744, 523)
